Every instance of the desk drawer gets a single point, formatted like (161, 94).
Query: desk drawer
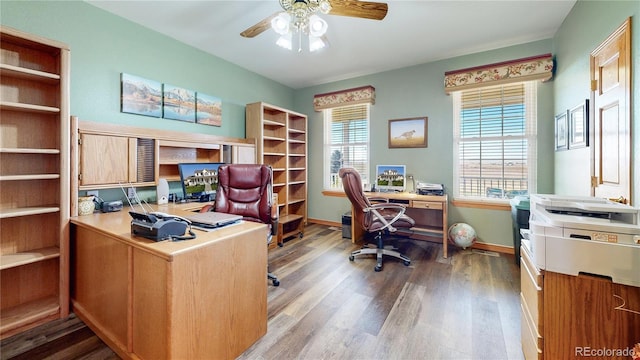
(531, 290)
(435, 205)
(531, 340)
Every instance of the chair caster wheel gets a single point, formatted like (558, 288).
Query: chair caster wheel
(281, 244)
(378, 268)
(300, 235)
(407, 263)
(276, 283)
(351, 258)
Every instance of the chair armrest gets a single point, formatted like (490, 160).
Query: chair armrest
(388, 224)
(378, 200)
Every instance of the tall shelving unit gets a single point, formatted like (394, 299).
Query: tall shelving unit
(34, 180)
(281, 141)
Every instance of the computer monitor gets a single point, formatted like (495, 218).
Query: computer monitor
(391, 177)
(199, 180)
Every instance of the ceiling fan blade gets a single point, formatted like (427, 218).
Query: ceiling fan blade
(259, 28)
(360, 9)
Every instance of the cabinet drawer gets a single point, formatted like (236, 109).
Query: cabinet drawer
(531, 292)
(436, 205)
(528, 262)
(530, 338)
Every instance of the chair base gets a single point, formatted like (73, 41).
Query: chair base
(274, 280)
(379, 252)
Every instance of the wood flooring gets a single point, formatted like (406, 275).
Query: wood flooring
(327, 307)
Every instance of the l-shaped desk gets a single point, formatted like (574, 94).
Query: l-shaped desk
(195, 299)
(428, 211)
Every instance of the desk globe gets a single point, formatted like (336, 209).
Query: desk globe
(462, 235)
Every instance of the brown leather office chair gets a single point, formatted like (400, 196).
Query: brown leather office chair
(380, 218)
(247, 190)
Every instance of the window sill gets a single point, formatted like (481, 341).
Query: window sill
(481, 204)
(334, 193)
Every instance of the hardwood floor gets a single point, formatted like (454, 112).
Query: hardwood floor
(463, 307)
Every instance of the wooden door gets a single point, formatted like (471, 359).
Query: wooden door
(611, 98)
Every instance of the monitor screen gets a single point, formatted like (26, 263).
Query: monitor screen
(199, 179)
(391, 177)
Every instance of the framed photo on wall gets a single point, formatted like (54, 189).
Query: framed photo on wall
(408, 133)
(140, 96)
(179, 103)
(579, 126)
(208, 110)
(562, 142)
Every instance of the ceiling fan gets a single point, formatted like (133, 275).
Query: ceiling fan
(300, 16)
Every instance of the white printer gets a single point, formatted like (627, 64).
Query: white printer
(572, 235)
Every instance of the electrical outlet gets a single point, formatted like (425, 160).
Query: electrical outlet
(131, 192)
(92, 193)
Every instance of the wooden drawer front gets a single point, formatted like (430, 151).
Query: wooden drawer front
(427, 205)
(531, 339)
(528, 262)
(531, 293)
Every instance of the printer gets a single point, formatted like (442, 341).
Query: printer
(573, 235)
(423, 188)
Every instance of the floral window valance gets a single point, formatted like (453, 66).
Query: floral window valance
(531, 68)
(360, 95)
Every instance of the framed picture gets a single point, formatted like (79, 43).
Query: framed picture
(408, 133)
(579, 126)
(179, 103)
(140, 96)
(208, 110)
(561, 132)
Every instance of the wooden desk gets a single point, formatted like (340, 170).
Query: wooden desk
(198, 299)
(428, 211)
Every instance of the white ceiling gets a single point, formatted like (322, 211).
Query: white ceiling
(413, 32)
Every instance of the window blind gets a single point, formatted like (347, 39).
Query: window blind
(495, 141)
(346, 142)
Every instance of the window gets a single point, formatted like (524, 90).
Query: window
(494, 141)
(346, 143)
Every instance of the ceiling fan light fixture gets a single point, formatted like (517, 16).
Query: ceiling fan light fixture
(316, 43)
(324, 6)
(281, 23)
(285, 41)
(317, 26)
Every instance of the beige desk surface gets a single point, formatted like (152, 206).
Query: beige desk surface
(118, 224)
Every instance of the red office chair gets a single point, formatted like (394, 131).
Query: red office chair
(381, 219)
(247, 190)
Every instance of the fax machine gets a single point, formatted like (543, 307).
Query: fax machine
(572, 235)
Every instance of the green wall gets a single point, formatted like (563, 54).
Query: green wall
(103, 46)
(586, 27)
(419, 91)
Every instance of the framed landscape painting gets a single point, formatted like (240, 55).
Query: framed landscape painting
(140, 96)
(208, 110)
(408, 133)
(179, 103)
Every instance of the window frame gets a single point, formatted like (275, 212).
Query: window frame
(330, 179)
(530, 136)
